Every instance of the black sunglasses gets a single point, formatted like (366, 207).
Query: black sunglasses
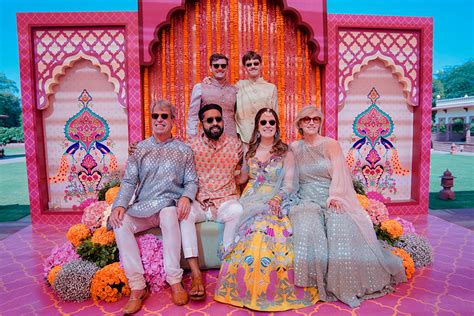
(164, 116)
(308, 119)
(216, 66)
(255, 63)
(264, 122)
(218, 119)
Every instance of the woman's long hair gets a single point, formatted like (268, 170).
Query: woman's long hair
(279, 148)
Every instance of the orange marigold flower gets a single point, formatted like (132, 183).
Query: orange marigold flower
(110, 283)
(111, 194)
(103, 236)
(52, 274)
(408, 263)
(77, 233)
(363, 200)
(392, 227)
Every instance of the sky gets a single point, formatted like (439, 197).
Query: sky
(453, 23)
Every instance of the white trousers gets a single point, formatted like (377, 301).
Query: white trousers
(167, 219)
(228, 213)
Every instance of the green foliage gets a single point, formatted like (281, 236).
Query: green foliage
(10, 106)
(455, 82)
(384, 235)
(12, 134)
(101, 255)
(358, 186)
(458, 126)
(106, 187)
(7, 85)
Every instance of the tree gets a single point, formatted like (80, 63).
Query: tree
(7, 85)
(9, 103)
(10, 106)
(456, 81)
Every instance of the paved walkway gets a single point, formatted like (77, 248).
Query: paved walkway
(9, 228)
(5, 161)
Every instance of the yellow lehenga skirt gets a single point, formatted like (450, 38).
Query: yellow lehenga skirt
(258, 273)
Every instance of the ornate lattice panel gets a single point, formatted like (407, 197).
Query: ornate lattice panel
(399, 49)
(57, 48)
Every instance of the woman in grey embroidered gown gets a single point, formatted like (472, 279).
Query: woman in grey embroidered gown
(335, 245)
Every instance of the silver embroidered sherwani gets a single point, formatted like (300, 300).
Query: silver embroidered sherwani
(159, 173)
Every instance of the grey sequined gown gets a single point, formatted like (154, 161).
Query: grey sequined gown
(329, 250)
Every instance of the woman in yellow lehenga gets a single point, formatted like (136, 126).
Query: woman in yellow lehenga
(257, 270)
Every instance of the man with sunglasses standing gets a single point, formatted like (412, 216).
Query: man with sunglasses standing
(216, 158)
(162, 175)
(253, 94)
(214, 90)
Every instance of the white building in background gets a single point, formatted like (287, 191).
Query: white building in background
(447, 112)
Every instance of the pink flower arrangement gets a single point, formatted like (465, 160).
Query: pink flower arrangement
(59, 256)
(377, 211)
(408, 227)
(151, 250)
(84, 204)
(93, 214)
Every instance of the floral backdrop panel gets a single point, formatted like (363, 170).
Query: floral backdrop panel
(375, 128)
(86, 135)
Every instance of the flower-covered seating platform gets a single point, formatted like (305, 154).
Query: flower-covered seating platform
(444, 288)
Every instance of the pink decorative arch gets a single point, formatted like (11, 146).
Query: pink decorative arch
(388, 63)
(345, 60)
(154, 14)
(73, 28)
(398, 49)
(57, 49)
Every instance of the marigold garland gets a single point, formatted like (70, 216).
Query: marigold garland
(299, 71)
(281, 69)
(208, 28)
(408, 262)
(77, 233)
(234, 40)
(163, 66)
(307, 67)
(103, 236)
(393, 228)
(172, 65)
(111, 194)
(318, 87)
(363, 200)
(146, 102)
(266, 59)
(197, 49)
(256, 33)
(218, 25)
(52, 274)
(186, 65)
(110, 284)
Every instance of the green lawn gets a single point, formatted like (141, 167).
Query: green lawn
(14, 200)
(462, 169)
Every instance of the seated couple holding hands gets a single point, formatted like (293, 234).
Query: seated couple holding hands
(296, 235)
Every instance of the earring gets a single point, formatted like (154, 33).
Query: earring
(277, 135)
(258, 134)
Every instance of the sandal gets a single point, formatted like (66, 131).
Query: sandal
(195, 284)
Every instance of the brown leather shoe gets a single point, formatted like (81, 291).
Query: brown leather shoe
(135, 304)
(195, 285)
(179, 295)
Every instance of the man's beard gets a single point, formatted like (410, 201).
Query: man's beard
(214, 135)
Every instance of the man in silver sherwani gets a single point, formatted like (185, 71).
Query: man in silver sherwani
(162, 175)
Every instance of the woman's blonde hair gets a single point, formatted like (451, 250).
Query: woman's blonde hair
(308, 110)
